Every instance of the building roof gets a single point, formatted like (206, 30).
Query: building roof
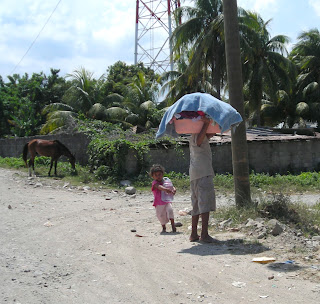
(271, 134)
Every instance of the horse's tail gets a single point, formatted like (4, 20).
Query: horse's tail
(25, 153)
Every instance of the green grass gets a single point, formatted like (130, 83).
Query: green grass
(306, 181)
(11, 162)
(64, 171)
(296, 215)
(300, 216)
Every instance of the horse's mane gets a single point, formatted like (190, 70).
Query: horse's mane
(63, 148)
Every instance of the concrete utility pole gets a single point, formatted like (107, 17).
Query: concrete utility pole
(238, 136)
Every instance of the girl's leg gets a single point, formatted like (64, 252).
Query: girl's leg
(162, 216)
(174, 229)
(164, 228)
(170, 216)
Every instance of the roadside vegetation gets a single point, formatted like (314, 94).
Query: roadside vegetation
(277, 188)
(280, 88)
(305, 182)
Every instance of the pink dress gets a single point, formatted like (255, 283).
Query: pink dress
(164, 210)
(157, 194)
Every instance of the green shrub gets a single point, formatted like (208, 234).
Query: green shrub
(11, 162)
(102, 172)
(300, 216)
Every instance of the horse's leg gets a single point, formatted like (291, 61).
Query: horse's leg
(55, 167)
(51, 163)
(29, 165)
(33, 153)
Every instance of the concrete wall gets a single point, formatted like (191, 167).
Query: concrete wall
(265, 156)
(179, 161)
(284, 156)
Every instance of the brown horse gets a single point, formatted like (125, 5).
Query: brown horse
(50, 148)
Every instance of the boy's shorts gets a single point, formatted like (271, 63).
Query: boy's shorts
(203, 198)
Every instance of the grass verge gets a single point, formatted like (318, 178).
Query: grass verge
(303, 217)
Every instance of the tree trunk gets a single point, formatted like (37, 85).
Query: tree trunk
(238, 136)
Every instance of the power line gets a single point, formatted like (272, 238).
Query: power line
(33, 42)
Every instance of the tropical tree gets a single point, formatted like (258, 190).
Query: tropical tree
(239, 140)
(281, 110)
(22, 99)
(265, 69)
(84, 91)
(59, 116)
(142, 89)
(306, 55)
(119, 75)
(140, 98)
(201, 37)
(126, 91)
(81, 96)
(175, 84)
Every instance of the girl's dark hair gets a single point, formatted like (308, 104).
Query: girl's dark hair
(156, 168)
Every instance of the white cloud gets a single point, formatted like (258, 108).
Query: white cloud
(263, 7)
(95, 34)
(78, 33)
(316, 6)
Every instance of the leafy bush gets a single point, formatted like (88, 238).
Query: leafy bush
(110, 146)
(238, 215)
(280, 208)
(112, 154)
(299, 182)
(299, 215)
(42, 160)
(11, 162)
(224, 181)
(102, 172)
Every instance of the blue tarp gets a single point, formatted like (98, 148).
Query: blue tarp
(221, 112)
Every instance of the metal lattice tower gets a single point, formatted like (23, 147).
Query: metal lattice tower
(154, 28)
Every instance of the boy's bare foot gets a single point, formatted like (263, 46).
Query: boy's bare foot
(194, 238)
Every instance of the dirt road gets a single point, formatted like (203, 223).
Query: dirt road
(65, 245)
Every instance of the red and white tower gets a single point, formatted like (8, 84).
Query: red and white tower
(154, 27)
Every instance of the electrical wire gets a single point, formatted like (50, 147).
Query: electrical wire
(34, 41)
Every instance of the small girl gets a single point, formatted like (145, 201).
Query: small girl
(164, 210)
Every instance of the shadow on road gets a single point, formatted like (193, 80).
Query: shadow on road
(230, 246)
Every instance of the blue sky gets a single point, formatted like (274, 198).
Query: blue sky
(95, 34)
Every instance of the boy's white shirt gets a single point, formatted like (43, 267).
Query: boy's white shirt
(200, 158)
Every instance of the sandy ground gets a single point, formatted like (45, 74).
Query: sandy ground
(64, 245)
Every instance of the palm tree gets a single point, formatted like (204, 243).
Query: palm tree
(81, 96)
(201, 37)
(59, 116)
(239, 140)
(142, 89)
(84, 91)
(177, 83)
(306, 55)
(266, 70)
(140, 99)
